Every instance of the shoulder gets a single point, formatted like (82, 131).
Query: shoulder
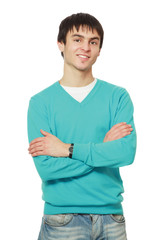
(45, 94)
(116, 94)
(111, 88)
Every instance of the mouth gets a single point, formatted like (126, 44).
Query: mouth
(83, 56)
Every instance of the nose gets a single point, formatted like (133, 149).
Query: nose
(86, 46)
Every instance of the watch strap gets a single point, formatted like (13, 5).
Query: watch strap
(71, 150)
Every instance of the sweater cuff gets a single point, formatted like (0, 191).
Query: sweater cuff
(81, 151)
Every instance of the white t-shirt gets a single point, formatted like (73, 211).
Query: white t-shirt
(80, 93)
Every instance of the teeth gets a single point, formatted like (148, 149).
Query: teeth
(82, 56)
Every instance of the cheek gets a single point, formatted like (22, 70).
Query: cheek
(75, 49)
(95, 54)
(71, 51)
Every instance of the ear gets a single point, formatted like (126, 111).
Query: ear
(60, 46)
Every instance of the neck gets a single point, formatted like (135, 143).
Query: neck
(76, 78)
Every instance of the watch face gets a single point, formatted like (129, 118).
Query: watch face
(71, 149)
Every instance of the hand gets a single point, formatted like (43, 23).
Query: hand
(119, 130)
(48, 145)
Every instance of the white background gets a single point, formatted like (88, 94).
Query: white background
(30, 61)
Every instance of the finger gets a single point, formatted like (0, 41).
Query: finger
(118, 129)
(36, 149)
(119, 124)
(36, 144)
(129, 129)
(39, 144)
(121, 134)
(126, 127)
(44, 132)
(124, 134)
(121, 127)
(39, 153)
(39, 139)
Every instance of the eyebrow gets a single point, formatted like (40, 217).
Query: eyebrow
(78, 35)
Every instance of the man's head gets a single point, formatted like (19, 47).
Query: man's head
(77, 21)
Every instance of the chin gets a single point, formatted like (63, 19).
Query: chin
(83, 69)
(80, 68)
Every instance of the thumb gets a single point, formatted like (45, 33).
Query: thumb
(44, 132)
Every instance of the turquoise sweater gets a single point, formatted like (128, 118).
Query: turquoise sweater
(90, 182)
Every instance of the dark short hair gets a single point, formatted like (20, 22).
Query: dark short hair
(77, 20)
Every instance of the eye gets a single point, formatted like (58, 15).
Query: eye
(93, 43)
(77, 40)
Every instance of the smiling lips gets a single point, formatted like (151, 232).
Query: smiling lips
(82, 56)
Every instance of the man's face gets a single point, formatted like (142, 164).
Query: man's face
(81, 49)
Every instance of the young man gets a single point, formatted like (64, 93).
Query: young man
(81, 130)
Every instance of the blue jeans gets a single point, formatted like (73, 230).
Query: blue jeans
(83, 227)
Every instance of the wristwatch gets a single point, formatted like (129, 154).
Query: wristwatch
(71, 150)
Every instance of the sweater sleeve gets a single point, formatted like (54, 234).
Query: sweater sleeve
(116, 153)
(50, 168)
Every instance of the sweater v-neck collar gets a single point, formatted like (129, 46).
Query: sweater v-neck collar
(85, 100)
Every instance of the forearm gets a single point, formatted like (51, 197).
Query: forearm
(116, 153)
(112, 154)
(51, 168)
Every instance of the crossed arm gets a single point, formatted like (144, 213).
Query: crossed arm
(50, 154)
(52, 146)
